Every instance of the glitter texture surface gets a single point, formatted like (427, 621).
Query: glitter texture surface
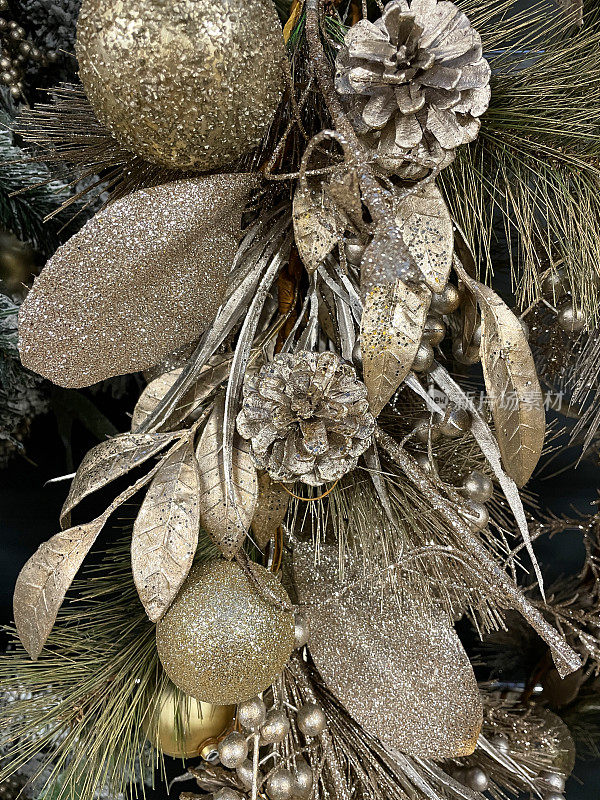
(221, 641)
(191, 84)
(142, 278)
(399, 669)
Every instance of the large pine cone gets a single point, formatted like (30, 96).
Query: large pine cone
(307, 417)
(415, 83)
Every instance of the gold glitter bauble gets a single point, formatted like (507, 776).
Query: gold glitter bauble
(200, 724)
(190, 84)
(221, 641)
(143, 277)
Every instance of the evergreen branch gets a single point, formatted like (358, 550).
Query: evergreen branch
(87, 700)
(536, 163)
(23, 214)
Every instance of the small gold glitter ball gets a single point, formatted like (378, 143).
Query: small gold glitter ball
(191, 84)
(202, 725)
(222, 641)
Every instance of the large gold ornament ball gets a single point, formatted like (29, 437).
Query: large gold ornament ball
(222, 641)
(189, 84)
(183, 727)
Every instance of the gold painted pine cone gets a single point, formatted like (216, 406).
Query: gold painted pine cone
(307, 417)
(415, 83)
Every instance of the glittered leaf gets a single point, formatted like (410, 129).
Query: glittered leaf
(142, 278)
(512, 384)
(110, 460)
(271, 507)
(391, 330)
(226, 519)
(386, 259)
(426, 227)
(45, 579)
(399, 669)
(315, 225)
(165, 532)
(211, 376)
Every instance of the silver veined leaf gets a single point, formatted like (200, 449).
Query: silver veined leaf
(512, 385)
(226, 519)
(165, 532)
(391, 331)
(397, 667)
(110, 460)
(44, 580)
(271, 507)
(426, 226)
(316, 224)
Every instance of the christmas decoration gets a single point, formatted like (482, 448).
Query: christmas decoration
(121, 284)
(378, 665)
(329, 466)
(307, 418)
(223, 640)
(416, 83)
(201, 725)
(140, 64)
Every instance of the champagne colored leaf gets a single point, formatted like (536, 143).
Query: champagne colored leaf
(212, 375)
(45, 579)
(165, 532)
(399, 669)
(426, 226)
(111, 460)
(271, 508)
(226, 519)
(391, 330)
(512, 384)
(316, 225)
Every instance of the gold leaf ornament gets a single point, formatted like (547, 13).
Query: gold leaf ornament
(165, 532)
(212, 375)
(317, 226)
(512, 385)
(142, 278)
(391, 330)
(398, 668)
(226, 519)
(426, 226)
(44, 580)
(110, 460)
(271, 507)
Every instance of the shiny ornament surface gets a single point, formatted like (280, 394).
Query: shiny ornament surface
(276, 726)
(233, 750)
(192, 84)
(221, 641)
(280, 786)
(200, 722)
(143, 277)
(303, 779)
(251, 713)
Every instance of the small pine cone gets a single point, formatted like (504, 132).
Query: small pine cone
(307, 417)
(415, 84)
